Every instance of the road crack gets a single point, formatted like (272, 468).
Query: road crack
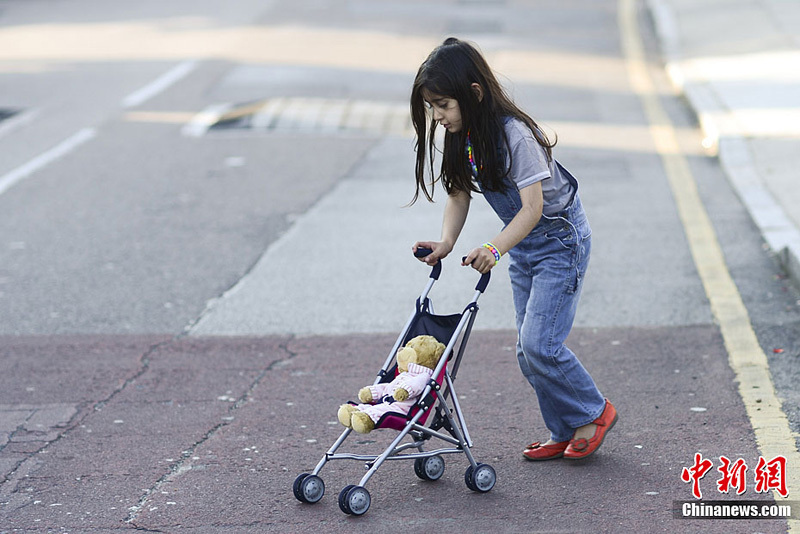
(184, 464)
(83, 410)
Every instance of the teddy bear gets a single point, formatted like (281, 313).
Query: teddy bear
(415, 364)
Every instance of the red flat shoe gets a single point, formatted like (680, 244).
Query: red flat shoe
(581, 447)
(537, 452)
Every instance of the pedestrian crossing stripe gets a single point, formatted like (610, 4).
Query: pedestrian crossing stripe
(312, 115)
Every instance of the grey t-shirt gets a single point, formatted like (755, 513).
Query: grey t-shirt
(529, 165)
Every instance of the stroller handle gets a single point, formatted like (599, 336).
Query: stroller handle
(437, 269)
(484, 281)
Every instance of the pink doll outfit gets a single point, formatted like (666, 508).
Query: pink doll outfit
(414, 381)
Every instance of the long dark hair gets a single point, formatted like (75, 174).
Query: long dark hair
(449, 71)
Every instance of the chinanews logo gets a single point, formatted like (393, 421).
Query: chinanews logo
(768, 476)
(734, 510)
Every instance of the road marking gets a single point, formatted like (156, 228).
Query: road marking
(42, 160)
(164, 117)
(204, 120)
(770, 425)
(264, 118)
(308, 114)
(159, 84)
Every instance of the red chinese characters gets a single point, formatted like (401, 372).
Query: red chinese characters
(696, 472)
(733, 474)
(769, 475)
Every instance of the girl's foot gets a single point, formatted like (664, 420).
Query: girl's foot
(548, 451)
(585, 432)
(588, 438)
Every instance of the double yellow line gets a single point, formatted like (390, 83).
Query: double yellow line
(770, 425)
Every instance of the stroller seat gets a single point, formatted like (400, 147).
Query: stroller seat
(440, 327)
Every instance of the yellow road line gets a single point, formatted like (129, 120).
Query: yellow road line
(770, 425)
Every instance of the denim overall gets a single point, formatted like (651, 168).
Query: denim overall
(546, 270)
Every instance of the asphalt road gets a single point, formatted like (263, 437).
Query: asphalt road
(184, 303)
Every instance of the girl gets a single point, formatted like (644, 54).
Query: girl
(494, 148)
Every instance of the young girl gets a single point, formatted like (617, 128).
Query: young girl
(494, 148)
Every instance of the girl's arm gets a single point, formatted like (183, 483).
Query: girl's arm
(520, 226)
(455, 215)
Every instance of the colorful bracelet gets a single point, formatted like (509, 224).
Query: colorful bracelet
(493, 250)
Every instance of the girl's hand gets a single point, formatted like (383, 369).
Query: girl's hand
(481, 259)
(440, 251)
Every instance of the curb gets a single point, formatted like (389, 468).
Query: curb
(733, 152)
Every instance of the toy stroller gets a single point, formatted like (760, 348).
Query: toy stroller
(439, 398)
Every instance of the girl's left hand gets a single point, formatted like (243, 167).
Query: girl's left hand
(481, 259)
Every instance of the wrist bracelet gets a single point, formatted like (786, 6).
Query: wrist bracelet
(494, 251)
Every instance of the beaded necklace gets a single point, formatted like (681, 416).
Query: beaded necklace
(471, 157)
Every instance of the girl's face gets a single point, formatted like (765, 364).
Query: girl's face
(445, 111)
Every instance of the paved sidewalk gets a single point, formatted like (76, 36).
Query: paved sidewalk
(738, 64)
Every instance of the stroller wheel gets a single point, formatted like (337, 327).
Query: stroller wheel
(343, 499)
(308, 488)
(482, 478)
(296, 487)
(356, 500)
(468, 479)
(431, 468)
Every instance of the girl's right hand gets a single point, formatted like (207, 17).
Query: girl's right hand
(440, 251)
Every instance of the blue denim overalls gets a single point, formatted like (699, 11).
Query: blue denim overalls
(546, 270)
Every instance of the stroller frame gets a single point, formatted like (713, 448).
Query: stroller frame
(428, 465)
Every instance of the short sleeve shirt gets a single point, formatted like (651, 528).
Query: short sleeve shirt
(529, 164)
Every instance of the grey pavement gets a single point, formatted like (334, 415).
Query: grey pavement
(738, 64)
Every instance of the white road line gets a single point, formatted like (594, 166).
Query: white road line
(42, 160)
(159, 84)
